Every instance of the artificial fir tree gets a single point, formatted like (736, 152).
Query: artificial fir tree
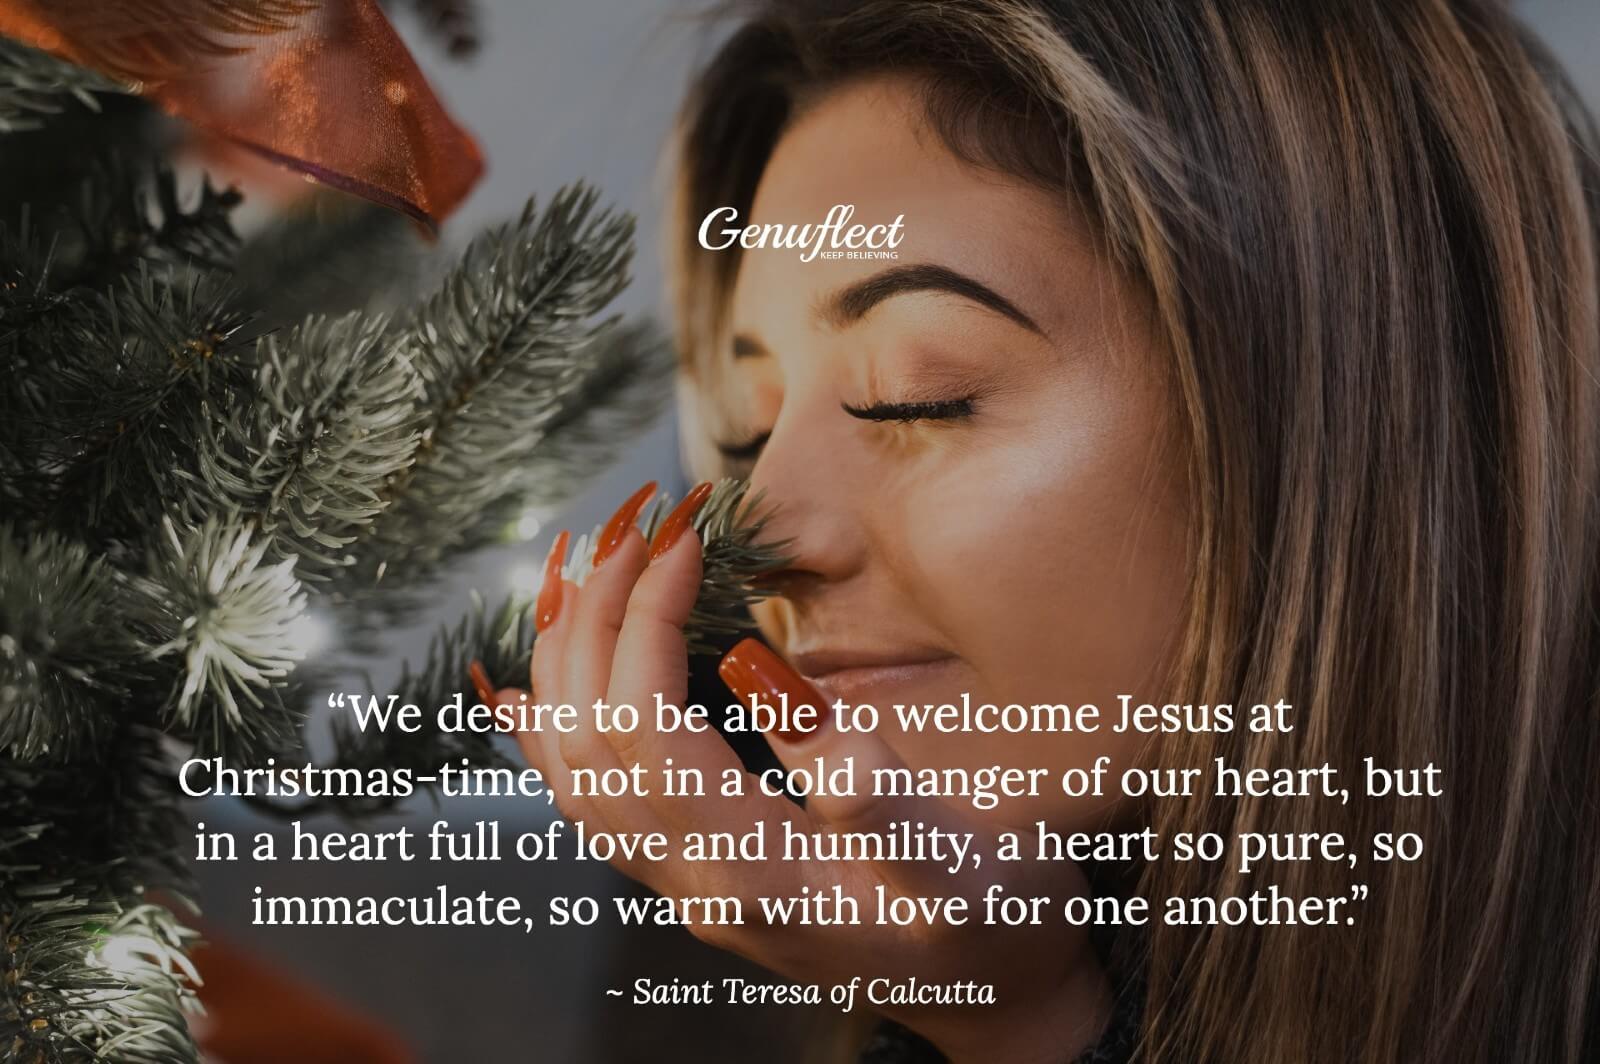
(192, 453)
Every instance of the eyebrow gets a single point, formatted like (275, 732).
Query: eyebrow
(850, 304)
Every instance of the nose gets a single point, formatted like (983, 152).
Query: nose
(812, 492)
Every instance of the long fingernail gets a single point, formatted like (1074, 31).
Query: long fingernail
(616, 529)
(480, 681)
(751, 668)
(548, 603)
(679, 520)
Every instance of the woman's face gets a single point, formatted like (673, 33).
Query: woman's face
(970, 445)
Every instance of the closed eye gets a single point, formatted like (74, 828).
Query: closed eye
(746, 450)
(936, 410)
(749, 449)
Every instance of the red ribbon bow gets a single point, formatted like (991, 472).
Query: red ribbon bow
(323, 86)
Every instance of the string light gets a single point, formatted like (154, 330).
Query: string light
(528, 525)
(525, 576)
(124, 953)
(309, 633)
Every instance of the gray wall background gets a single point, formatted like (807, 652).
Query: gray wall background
(562, 91)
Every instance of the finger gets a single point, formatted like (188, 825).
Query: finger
(545, 675)
(584, 628)
(495, 700)
(528, 741)
(596, 618)
(551, 590)
(532, 746)
(480, 682)
(651, 661)
(540, 747)
(543, 747)
(651, 654)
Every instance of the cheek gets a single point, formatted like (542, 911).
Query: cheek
(1052, 553)
(1053, 563)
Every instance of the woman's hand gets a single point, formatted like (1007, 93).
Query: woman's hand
(619, 637)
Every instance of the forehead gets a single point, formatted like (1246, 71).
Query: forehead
(867, 144)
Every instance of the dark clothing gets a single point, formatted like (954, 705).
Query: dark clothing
(893, 1044)
(1120, 951)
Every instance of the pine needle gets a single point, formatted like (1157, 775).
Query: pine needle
(730, 526)
(33, 85)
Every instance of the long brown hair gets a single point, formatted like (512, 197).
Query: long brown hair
(1369, 228)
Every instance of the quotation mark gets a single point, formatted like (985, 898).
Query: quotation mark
(1357, 893)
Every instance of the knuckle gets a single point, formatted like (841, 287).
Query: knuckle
(600, 621)
(647, 596)
(853, 812)
(628, 746)
(542, 667)
(577, 750)
(663, 597)
(563, 779)
(718, 936)
(532, 752)
(571, 809)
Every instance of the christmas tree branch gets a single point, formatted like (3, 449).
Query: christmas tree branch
(90, 968)
(734, 558)
(65, 673)
(230, 633)
(508, 351)
(310, 459)
(730, 526)
(332, 255)
(124, 214)
(130, 397)
(128, 212)
(33, 84)
(177, 485)
(622, 391)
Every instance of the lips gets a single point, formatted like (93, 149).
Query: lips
(855, 674)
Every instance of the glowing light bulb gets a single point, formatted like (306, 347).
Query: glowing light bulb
(124, 953)
(310, 633)
(525, 577)
(528, 525)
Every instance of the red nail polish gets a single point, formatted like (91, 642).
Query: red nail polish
(750, 667)
(548, 604)
(480, 682)
(679, 520)
(616, 529)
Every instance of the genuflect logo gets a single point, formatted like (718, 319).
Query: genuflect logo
(832, 238)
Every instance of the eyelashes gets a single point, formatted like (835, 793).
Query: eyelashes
(749, 448)
(746, 450)
(933, 410)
